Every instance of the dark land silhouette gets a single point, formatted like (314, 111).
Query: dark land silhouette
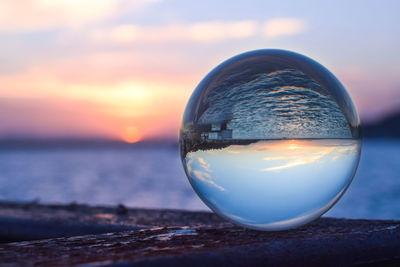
(387, 127)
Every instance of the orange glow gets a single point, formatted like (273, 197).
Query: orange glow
(293, 144)
(88, 108)
(131, 135)
(283, 145)
(283, 154)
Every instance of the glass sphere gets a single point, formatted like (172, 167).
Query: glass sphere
(270, 140)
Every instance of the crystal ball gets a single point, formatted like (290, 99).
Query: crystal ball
(270, 140)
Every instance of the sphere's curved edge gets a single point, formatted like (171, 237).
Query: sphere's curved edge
(286, 224)
(287, 58)
(310, 67)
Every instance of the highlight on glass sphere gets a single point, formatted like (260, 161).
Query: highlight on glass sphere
(270, 140)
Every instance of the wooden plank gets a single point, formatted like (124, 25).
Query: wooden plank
(200, 238)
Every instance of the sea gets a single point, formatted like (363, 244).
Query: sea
(152, 176)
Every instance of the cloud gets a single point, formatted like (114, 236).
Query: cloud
(38, 15)
(293, 153)
(213, 31)
(283, 27)
(200, 32)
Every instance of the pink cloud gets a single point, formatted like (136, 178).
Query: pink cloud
(38, 15)
(200, 32)
(279, 27)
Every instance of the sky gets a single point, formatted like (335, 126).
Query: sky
(124, 69)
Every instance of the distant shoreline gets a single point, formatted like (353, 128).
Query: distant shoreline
(8, 144)
(386, 128)
(81, 143)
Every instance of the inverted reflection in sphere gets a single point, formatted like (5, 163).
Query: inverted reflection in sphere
(270, 140)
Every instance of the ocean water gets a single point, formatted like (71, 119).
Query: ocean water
(153, 177)
(273, 184)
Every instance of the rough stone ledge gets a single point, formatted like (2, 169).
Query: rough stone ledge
(196, 238)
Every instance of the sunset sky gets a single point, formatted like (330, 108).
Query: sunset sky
(125, 69)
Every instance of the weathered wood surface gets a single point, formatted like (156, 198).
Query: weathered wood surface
(198, 239)
(30, 221)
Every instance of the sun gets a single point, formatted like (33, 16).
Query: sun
(131, 135)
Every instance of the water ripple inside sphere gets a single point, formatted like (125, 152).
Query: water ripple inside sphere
(270, 140)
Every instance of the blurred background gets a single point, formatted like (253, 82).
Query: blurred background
(92, 92)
